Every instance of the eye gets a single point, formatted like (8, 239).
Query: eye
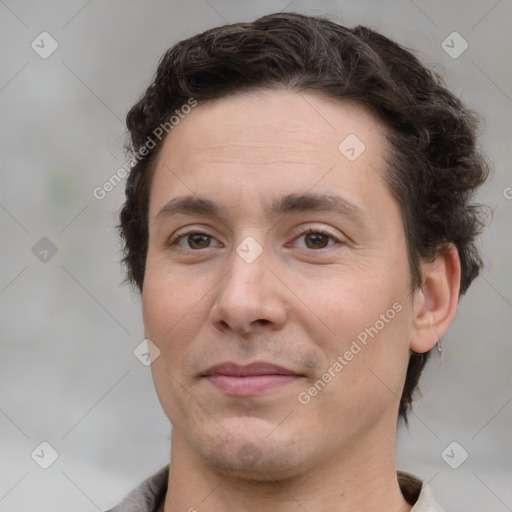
(193, 240)
(196, 240)
(317, 239)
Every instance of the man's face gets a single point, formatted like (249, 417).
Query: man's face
(248, 284)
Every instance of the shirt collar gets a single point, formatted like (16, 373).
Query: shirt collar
(149, 494)
(416, 493)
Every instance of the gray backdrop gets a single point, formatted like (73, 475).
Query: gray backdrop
(69, 377)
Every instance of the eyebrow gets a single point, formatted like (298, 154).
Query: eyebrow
(297, 202)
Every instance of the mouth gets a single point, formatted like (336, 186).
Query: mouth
(250, 380)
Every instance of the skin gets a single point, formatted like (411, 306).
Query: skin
(300, 304)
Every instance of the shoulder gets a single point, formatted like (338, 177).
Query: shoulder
(417, 494)
(147, 496)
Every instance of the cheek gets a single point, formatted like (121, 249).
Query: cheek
(167, 303)
(373, 358)
(168, 295)
(176, 303)
(369, 321)
(348, 300)
(169, 308)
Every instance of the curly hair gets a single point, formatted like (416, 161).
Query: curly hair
(434, 166)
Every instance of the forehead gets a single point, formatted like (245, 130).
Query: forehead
(269, 141)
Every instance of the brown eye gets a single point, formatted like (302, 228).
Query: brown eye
(194, 240)
(316, 239)
(198, 240)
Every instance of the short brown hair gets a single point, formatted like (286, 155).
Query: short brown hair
(435, 164)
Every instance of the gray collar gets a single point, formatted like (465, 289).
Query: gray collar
(148, 496)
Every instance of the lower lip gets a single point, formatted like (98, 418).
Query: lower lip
(250, 385)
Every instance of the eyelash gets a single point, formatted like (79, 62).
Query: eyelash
(175, 240)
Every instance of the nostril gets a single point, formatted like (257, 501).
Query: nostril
(263, 321)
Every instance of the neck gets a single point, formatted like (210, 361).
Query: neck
(361, 477)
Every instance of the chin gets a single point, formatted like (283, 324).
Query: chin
(252, 451)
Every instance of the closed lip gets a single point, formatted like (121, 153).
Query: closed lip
(253, 369)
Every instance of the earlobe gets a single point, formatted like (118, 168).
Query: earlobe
(437, 300)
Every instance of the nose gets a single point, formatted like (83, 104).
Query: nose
(249, 297)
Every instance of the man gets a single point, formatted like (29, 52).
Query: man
(298, 220)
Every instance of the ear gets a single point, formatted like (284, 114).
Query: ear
(437, 299)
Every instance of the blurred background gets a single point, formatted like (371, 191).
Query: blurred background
(80, 422)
